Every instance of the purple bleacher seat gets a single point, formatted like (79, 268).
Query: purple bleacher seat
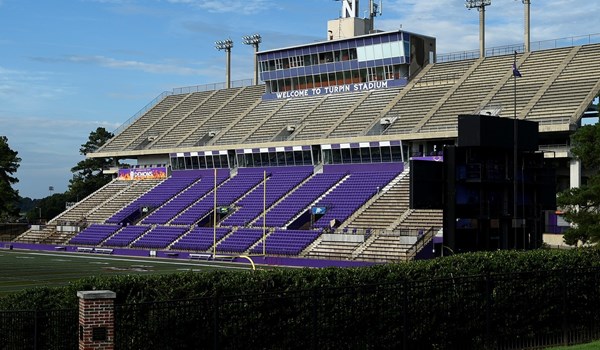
(278, 184)
(227, 193)
(94, 234)
(200, 238)
(127, 235)
(158, 195)
(287, 242)
(193, 193)
(352, 193)
(299, 200)
(159, 237)
(240, 240)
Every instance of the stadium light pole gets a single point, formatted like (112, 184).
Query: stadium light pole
(480, 6)
(515, 74)
(226, 45)
(254, 40)
(527, 39)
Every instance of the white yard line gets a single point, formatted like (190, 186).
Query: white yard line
(197, 263)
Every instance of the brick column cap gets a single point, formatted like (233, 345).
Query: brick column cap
(96, 294)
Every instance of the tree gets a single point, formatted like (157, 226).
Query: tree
(88, 174)
(581, 205)
(9, 197)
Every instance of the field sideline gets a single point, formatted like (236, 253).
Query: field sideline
(27, 269)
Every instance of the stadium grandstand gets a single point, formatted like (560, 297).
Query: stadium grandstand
(313, 161)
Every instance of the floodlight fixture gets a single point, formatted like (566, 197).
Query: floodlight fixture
(254, 40)
(480, 6)
(226, 45)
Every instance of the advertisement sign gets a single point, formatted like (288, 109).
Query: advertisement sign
(336, 89)
(135, 174)
(319, 210)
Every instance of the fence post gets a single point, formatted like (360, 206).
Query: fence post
(564, 307)
(216, 305)
(314, 343)
(96, 320)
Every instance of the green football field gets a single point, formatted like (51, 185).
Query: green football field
(25, 269)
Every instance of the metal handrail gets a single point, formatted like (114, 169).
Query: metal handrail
(509, 49)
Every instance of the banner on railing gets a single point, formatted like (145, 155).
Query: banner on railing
(156, 173)
(319, 210)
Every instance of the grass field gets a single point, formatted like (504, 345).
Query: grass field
(26, 269)
(590, 346)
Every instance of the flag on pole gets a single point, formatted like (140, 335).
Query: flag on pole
(516, 72)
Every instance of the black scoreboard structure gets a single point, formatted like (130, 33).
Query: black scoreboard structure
(488, 203)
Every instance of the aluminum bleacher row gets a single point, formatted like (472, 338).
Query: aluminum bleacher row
(180, 205)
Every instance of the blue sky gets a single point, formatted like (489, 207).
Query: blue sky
(69, 66)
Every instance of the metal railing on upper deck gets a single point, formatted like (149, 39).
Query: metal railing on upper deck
(509, 49)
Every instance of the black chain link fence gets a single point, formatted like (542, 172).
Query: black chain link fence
(510, 311)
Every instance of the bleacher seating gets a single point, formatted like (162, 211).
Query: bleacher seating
(240, 241)
(159, 237)
(94, 234)
(85, 206)
(297, 201)
(127, 235)
(316, 124)
(120, 199)
(362, 184)
(227, 193)
(382, 213)
(200, 238)
(139, 126)
(287, 242)
(193, 193)
(278, 184)
(158, 195)
(185, 128)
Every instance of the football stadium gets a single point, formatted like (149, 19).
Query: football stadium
(338, 152)
(313, 162)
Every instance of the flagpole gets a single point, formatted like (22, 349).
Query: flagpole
(215, 215)
(264, 213)
(515, 141)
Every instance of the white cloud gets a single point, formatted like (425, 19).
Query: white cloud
(17, 87)
(239, 6)
(136, 65)
(457, 29)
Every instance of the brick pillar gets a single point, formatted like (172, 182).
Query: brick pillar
(96, 320)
